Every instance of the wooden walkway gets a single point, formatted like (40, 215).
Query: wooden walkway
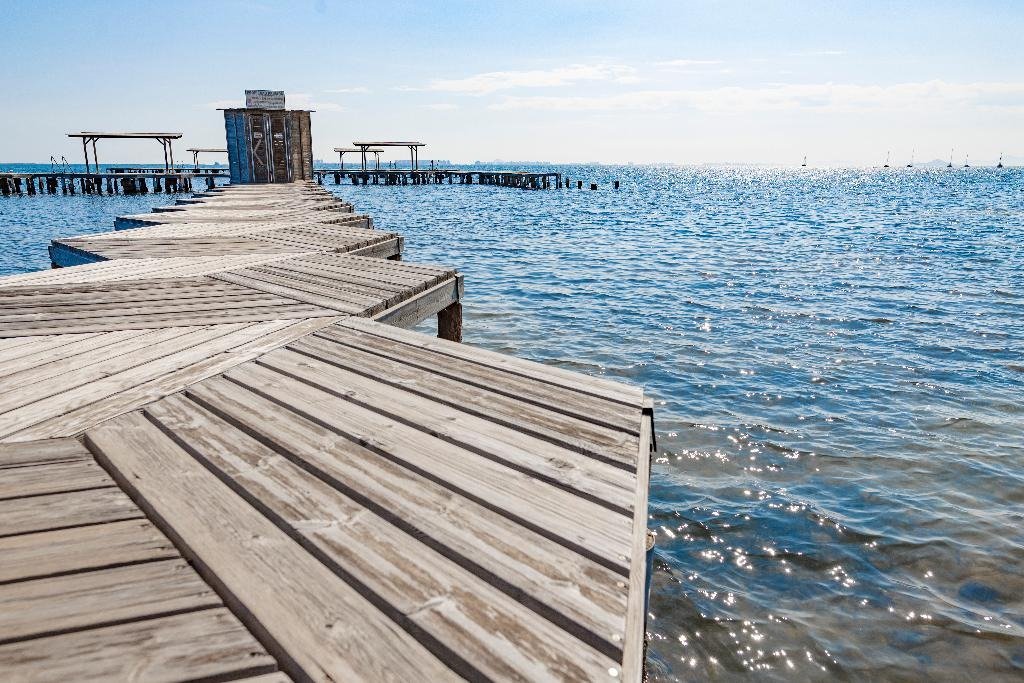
(232, 223)
(217, 467)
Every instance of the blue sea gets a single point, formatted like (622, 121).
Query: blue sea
(837, 357)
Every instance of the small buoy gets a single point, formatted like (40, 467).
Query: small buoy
(593, 186)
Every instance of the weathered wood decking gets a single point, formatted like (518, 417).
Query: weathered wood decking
(90, 589)
(222, 466)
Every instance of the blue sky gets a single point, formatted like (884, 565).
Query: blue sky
(685, 82)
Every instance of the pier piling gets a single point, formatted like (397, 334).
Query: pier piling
(449, 323)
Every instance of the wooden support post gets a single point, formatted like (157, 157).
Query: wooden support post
(593, 186)
(616, 184)
(449, 322)
(156, 184)
(579, 184)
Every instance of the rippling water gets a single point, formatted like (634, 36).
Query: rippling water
(838, 362)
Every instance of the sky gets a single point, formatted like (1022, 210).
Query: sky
(687, 82)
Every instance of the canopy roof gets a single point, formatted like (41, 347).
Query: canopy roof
(204, 149)
(389, 144)
(103, 136)
(356, 149)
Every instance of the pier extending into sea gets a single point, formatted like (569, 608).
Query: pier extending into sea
(225, 455)
(121, 181)
(530, 180)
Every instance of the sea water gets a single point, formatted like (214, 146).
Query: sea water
(837, 359)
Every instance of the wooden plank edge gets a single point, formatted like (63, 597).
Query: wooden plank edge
(387, 248)
(633, 649)
(64, 255)
(419, 307)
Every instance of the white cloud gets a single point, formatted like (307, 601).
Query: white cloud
(441, 106)
(819, 97)
(818, 53)
(492, 81)
(687, 63)
(359, 89)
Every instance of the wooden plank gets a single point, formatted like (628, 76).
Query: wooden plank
(324, 626)
(577, 523)
(107, 272)
(577, 488)
(499, 636)
(85, 385)
(61, 376)
(167, 377)
(96, 298)
(194, 646)
(41, 452)
(385, 249)
(76, 346)
(84, 292)
(501, 406)
(52, 553)
(541, 568)
(596, 386)
(77, 475)
(330, 300)
(141, 322)
(64, 510)
(570, 402)
(636, 617)
(35, 344)
(33, 609)
(143, 308)
(360, 286)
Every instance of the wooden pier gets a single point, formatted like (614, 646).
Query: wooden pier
(224, 456)
(134, 182)
(526, 180)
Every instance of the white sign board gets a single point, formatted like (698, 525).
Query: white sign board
(264, 99)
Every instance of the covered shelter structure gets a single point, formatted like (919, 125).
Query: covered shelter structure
(196, 151)
(414, 150)
(90, 137)
(343, 150)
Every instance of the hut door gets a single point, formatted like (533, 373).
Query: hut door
(279, 151)
(260, 149)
